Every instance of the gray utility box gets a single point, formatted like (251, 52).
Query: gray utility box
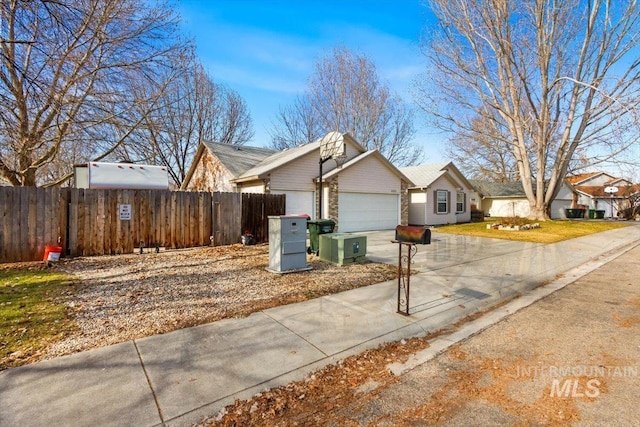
(287, 244)
(343, 248)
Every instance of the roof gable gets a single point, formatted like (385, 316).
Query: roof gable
(281, 158)
(369, 154)
(586, 178)
(425, 175)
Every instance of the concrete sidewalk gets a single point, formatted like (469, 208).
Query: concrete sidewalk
(176, 378)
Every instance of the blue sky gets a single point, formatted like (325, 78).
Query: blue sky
(265, 50)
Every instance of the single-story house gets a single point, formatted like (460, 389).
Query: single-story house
(508, 199)
(590, 188)
(440, 194)
(364, 192)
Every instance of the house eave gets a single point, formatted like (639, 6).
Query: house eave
(247, 179)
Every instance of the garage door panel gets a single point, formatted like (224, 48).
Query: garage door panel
(366, 211)
(299, 202)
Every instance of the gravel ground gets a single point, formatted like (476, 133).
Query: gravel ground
(572, 358)
(120, 298)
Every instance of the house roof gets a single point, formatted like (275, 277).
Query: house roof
(361, 157)
(281, 158)
(276, 160)
(499, 189)
(575, 179)
(424, 175)
(619, 182)
(238, 158)
(598, 190)
(585, 177)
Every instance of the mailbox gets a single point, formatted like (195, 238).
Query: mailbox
(413, 234)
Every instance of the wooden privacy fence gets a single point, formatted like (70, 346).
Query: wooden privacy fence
(256, 208)
(99, 222)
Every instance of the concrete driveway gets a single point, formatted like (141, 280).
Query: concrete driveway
(444, 251)
(481, 267)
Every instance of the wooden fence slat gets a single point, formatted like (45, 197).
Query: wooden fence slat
(72, 228)
(62, 196)
(6, 205)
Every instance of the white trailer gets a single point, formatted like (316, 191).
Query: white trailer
(126, 176)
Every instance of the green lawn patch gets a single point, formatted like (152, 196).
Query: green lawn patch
(32, 313)
(549, 231)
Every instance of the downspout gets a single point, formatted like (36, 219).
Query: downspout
(426, 200)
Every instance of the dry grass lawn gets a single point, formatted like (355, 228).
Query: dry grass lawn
(549, 231)
(125, 297)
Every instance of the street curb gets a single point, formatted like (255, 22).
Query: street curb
(443, 342)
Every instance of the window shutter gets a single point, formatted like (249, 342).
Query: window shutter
(435, 202)
(450, 202)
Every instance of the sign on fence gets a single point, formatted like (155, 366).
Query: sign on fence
(125, 212)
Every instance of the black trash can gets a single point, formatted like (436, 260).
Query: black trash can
(316, 228)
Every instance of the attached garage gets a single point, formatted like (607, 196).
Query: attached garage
(365, 194)
(367, 212)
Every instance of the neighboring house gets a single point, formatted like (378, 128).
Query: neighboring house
(591, 192)
(440, 194)
(508, 199)
(365, 193)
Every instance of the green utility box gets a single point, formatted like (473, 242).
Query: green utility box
(343, 248)
(316, 228)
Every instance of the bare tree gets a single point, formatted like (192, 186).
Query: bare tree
(233, 124)
(66, 75)
(191, 109)
(296, 124)
(483, 154)
(555, 78)
(345, 94)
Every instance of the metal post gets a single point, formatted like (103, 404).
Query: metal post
(322, 161)
(400, 272)
(404, 285)
(611, 203)
(320, 191)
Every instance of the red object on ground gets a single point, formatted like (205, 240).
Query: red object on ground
(52, 253)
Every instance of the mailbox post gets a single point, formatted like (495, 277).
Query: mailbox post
(407, 237)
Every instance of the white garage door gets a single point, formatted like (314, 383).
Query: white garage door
(364, 212)
(299, 202)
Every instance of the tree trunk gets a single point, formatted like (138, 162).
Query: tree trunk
(539, 212)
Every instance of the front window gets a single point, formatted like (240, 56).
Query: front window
(460, 203)
(442, 201)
